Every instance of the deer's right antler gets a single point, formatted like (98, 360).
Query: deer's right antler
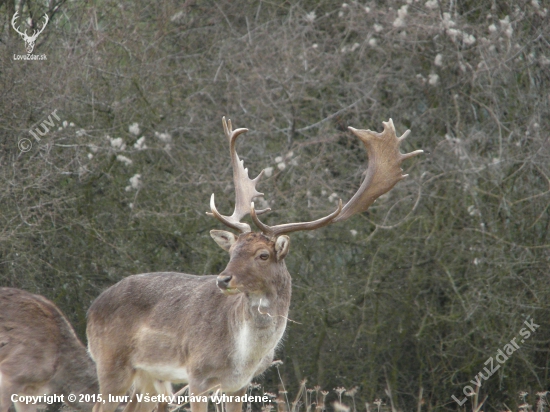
(245, 188)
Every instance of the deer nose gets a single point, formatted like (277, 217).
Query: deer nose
(223, 281)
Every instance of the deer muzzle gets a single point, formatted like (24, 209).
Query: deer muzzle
(224, 283)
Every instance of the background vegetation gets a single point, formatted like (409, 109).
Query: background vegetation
(406, 301)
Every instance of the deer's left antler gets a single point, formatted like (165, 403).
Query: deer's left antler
(383, 173)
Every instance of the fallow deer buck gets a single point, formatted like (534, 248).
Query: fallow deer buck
(217, 332)
(40, 354)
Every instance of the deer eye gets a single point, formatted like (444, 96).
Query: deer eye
(264, 256)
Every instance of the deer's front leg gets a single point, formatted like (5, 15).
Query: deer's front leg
(197, 392)
(235, 406)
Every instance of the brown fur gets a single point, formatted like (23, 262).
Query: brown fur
(39, 351)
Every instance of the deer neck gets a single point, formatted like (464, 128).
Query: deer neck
(268, 309)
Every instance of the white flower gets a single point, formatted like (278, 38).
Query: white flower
(433, 79)
(454, 34)
(315, 45)
(535, 4)
(431, 4)
(492, 28)
(117, 143)
(447, 22)
(372, 42)
(71, 124)
(124, 160)
(140, 143)
(477, 261)
(268, 171)
(65, 123)
(353, 232)
(281, 166)
(333, 197)
(80, 132)
(468, 39)
(355, 46)
(340, 13)
(135, 181)
(472, 211)
(398, 22)
(134, 129)
(310, 17)
(278, 159)
(289, 155)
(438, 60)
(367, 9)
(378, 28)
(177, 16)
(164, 137)
(401, 14)
(506, 26)
(90, 156)
(345, 5)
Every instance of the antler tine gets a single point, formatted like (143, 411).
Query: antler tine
(383, 173)
(245, 188)
(384, 170)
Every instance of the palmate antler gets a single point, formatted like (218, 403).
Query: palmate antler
(383, 173)
(245, 188)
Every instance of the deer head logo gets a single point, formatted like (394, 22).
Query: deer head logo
(29, 40)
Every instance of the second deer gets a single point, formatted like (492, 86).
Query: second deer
(41, 354)
(217, 332)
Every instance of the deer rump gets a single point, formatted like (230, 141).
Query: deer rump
(133, 325)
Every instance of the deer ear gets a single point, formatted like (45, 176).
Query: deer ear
(223, 238)
(281, 247)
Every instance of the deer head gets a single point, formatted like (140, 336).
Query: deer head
(29, 40)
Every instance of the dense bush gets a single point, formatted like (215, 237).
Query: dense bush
(406, 301)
